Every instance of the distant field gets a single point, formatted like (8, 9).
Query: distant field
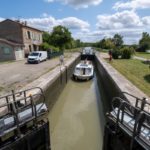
(135, 71)
(143, 54)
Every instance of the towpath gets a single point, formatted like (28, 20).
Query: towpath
(15, 75)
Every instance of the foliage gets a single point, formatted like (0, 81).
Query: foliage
(144, 43)
(118, 40)
(60, 37)
(124, 52)
(116, 53)
(127, 52)
(45, 46)
(46, 37)
(107, 44)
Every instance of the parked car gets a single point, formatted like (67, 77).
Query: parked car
(37, 57)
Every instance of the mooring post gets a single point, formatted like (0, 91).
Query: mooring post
(16, 118)
(143, 103)
(66, 74)
(137, 127)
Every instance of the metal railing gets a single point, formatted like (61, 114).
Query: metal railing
(142, 104)
(14, 105)
(135, 120)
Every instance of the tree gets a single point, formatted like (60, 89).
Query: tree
(60, 37)
(144, 43)
(45, 46)
(46, 37)
(78, 43)
(118, 40)
(127, 52)
(107, 43)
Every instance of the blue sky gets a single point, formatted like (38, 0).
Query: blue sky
(88, 20)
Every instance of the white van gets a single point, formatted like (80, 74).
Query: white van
(37, 56)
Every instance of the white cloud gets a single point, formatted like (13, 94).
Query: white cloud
(47, 23)
(45, 15)
(130, 36)
(74, 23)
(78, 3)
(126, 23)
(125, 19)
(49, 1)
(1, 19)
(146, 20)
(132, 4)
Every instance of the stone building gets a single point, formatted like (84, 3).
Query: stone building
(20, 33)
(10, 50)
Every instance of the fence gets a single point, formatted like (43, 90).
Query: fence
(54, 54)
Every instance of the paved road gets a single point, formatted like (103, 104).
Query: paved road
(16, 75)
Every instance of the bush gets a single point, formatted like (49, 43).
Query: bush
(46, 47)
(116, 53)
(127, 52)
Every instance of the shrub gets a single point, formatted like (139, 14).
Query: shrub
(116, 53)
(46, 47)
(127, 52)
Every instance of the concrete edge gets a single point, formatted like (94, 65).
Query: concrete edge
(47, 79)
(121, 82)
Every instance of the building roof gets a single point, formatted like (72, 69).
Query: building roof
(22, 24)
(10, 42)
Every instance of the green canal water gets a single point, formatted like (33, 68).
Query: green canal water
(77, 118)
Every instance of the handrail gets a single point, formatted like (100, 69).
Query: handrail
(14, 109)
(6, 104)
(18, 92)
(143, 101)
(141, 118)
(23, 94)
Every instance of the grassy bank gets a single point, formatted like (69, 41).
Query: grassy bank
(143, 54)
(73, 50)
(135, 71)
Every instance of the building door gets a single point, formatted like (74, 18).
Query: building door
(30, 49)
(34, 47)
(19, 53)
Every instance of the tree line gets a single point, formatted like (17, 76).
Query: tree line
(61, 39)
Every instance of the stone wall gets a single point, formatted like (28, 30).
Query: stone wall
(11, 30)
(54, 81)
(6, 52)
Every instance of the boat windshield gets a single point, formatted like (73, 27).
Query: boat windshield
(88, 70)
(83, 71)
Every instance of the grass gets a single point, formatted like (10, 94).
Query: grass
(73, 50)
(1, 88)
(143, 54)
(135, 71)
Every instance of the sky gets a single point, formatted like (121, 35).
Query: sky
(87, 20)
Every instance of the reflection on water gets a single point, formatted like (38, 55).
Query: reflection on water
(75, 123)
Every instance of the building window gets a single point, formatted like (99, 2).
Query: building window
(30, 48)
(29, 34)
(18, 49)
(6, 50)
(39, 36)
